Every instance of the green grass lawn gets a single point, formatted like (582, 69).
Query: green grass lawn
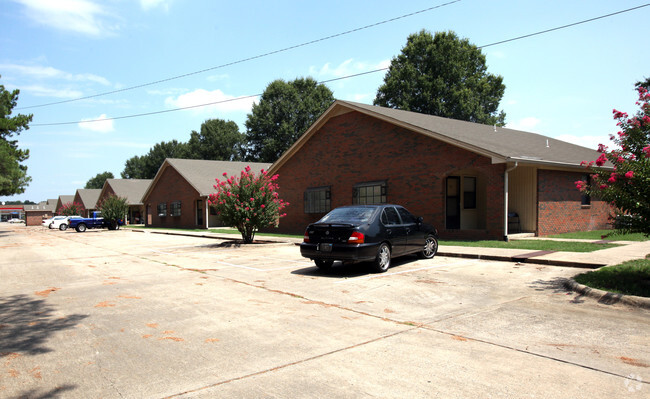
(630, 278)
(533, 245)
(597, 234)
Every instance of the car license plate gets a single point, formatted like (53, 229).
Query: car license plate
(325, 247)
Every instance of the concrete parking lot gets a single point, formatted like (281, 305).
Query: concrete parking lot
(121, 314)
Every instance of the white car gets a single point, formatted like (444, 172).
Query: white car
(63, 224)
(16, 220)
(50, 222)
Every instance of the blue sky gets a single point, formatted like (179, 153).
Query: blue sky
(562, 84)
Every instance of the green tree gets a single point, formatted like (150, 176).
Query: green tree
(146, 166)
(218, 140)
(627, 187)
(134, 168)
(114, 209)
(285, 111)
(248, 202)
(99, 180)
(13, 174)
(443, 75)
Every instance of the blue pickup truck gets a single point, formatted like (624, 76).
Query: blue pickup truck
(95, 222)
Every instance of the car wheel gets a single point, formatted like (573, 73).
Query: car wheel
(51, 226)
(382, 260)
(430, 248)
(81, 227)
(324, 264)
(63, 227)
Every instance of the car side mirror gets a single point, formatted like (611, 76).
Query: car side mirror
(420, 220)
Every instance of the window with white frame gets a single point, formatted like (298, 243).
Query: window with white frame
(175, 208)
(162, 209)
(370, 193)
(318, 200)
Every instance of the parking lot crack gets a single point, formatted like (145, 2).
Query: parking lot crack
(297, 362)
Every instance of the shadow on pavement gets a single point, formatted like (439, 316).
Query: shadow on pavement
(27, 323)
(340, 270)
(51, 394)
(556, 285)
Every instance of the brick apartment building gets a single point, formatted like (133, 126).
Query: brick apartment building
(87, 198)
(130, 189)
(470, 180)
(178, 195)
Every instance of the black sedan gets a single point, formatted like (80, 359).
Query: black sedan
(373, 233)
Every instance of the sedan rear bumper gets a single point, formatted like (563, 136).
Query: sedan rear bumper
(342, 252)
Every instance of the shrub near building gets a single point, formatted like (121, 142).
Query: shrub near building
(114, 209)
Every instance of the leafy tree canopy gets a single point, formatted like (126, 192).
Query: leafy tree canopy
(285, 111)
(13, 174)
(146, 166)
(218, 140)
(26, 202)
(443, 75)
(99, 180)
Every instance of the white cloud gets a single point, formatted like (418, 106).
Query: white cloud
(46, 72)
(347, 67)
(151, 4)
(525, 124)
(216, 100)
(41, 91)
(100, 124)
(81, 16)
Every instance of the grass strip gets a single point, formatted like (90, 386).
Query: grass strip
(598, 234)
(533, 245)
(628, 278)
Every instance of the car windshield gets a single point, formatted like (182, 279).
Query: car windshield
(352, 215)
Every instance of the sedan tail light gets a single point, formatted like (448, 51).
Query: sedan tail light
(356, 238)
(306, 236)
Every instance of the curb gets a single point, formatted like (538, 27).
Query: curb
(606, 297)
(268, 240)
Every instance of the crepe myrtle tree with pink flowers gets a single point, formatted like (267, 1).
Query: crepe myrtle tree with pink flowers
(70, 209)
(248, 202)
(627, 186)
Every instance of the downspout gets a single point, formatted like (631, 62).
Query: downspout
(206, 212)
(505, 202)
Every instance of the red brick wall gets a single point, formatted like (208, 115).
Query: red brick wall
(355, 148)
(173, 187)
(559, 205)
(82, 210)
(36, 218)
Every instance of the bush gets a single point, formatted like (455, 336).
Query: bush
(114, 210)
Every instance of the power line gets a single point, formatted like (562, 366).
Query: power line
(192, 106)
(565, 26)
(244, 59)
(331, 80)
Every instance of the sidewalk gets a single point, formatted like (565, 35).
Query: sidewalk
(628, 250)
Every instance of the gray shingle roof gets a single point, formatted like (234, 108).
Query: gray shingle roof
(201, 174)
(131, 189)
(89, 197)
(65, 199)
(500, 144)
